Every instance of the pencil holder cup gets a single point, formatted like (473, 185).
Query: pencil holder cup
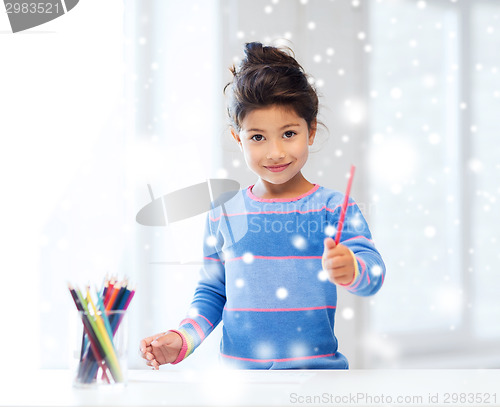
(100, 354)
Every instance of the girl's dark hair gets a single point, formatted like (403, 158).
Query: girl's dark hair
(270, 76)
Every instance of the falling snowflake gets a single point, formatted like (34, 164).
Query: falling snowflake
(396, 189)
(193, 312)
(264, 350)
(281, 293)
(430, 231)
(449, 300)
(475, 165)
(348, 313)
(239, 282)
(299, 242)
(222, 173)
(376, 271)
(396, 93)
(211, 240)
(248, 258)
(227, 255)
(330, 230)
(355, 221)
(298, 350)
(434, 138)
(323, 275)
(429, 81)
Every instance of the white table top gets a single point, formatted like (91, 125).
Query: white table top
(260, 388)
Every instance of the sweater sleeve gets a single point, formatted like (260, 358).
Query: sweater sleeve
(209, 299)
(369, 266)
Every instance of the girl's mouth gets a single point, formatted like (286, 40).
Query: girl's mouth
(278, 168)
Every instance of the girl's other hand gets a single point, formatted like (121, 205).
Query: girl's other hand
(161, 348)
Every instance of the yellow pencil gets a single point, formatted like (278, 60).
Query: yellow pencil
(105, 339)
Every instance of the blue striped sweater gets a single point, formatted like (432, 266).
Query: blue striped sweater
(262, 276)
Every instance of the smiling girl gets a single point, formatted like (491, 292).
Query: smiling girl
(271, 268)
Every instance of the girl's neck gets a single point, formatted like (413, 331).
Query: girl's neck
(295, 187)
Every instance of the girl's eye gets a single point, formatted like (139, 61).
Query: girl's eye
(257, 137)
(289, 134)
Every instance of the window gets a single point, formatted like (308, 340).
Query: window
(434, 160)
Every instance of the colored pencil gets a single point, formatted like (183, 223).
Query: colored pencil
(111, 284)
(344, 206)
(112, 297)
(100, 326)
(94, 345)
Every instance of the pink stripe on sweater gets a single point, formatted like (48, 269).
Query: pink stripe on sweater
(195, 325)
(206, 319)
(278, 212)
(278, 360)
(279, 309)
(280, 258)
(363, 270)
(184, 348)
(255, 198)
(210, 258)
(358, 237)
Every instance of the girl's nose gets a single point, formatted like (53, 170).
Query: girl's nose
(275, 152)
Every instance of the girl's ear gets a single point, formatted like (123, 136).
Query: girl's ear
(237, 138)
(312, 131)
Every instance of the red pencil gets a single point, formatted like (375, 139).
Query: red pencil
(111, 301)
(344, 206)
(109, 291)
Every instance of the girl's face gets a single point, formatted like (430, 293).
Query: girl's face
(275, 143)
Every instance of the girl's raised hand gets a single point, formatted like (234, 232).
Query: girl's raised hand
(161, 348)
(338, 262)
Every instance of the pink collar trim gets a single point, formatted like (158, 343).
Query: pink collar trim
(296, 198)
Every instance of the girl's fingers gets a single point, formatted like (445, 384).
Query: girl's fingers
(336, 262)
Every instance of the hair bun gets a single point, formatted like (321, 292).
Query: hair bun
(270, 76)
(258, 54)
